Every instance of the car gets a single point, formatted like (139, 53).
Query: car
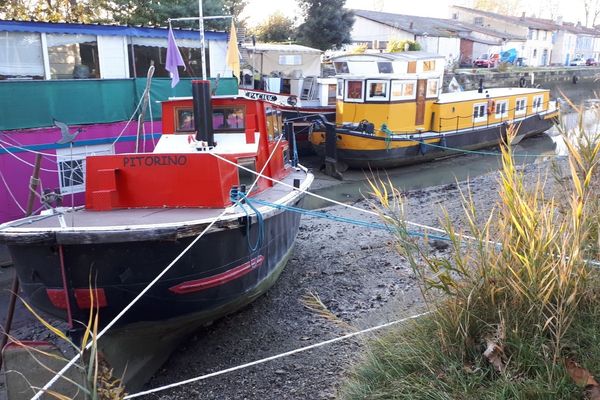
(486, 60)
(591, 62)
(577, 62)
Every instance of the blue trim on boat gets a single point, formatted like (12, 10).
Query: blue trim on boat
(53, 146)
(106, 30)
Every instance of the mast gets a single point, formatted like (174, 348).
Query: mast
(202, 43)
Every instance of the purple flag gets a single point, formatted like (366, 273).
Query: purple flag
(174, 58)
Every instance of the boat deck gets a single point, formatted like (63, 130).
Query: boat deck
(491, 92)
(79, 219)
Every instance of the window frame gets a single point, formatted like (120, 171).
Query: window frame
(480, 107)
(403, 83)
(347, 87)
(540, 106)
(429, 95)
(385, 97)
(339, 93)
(79, 155)
(177, 111)
(523, 110)
(499, 105)
(250, 163)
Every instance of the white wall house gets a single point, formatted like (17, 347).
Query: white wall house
(434, 35)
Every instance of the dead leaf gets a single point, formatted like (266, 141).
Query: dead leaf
(494, 354)
(580, 375)
(592, 392)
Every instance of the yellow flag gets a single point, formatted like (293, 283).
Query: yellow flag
(233, 55)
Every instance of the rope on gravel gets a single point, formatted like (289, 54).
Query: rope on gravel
(319, 214)
(275, 357)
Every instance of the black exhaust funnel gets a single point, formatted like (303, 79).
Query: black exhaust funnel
(203, 112)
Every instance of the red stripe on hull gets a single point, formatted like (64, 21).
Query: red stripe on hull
(219, 279)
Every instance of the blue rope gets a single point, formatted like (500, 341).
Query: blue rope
(240, 197)
(366, 224)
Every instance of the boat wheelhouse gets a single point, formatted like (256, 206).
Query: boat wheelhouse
(207, 208)
(390, 112)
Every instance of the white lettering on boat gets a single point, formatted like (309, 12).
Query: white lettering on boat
(150, 161)
(260, 96)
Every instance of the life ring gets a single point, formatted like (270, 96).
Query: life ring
(522, 82)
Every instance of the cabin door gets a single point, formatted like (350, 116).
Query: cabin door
(421, 88)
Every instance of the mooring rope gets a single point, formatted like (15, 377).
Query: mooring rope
(277, 356)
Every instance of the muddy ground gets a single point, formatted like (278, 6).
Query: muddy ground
(356, 273)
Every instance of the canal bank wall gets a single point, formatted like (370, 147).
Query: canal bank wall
(576, 83)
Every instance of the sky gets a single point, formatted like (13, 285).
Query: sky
(258, 10)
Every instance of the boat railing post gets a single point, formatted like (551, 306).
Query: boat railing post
(290, 136)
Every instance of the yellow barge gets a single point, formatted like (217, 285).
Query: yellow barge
(390, 111)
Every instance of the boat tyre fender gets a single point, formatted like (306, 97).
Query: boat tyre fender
(575, 79)
(491, 106)
(522, 82)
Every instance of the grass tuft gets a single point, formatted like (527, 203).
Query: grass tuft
(515, 303)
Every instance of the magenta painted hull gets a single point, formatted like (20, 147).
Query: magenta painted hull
(16, 163)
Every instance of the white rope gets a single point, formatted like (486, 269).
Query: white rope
(24, 161)
(146, 289)
(275, 357)
(11, 193)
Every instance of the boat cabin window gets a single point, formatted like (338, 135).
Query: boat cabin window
(273, 120)
(340, 89)
(538, 104)
(184, 118)
(521, 106)
(432, 87)
(246, 177)
(270, 123)
(428, 65)
(377, 90)
(227, 119)
(341, 67)
(354, 91)
(385, 67)
(331, 94)
(403, 90)
(479, 112)
(502, 109)
(412, 67)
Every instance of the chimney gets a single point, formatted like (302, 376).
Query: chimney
(559, 20)
(523, 15)
(411, 25)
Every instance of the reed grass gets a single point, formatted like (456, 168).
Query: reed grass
(94, 379)
(512, 305)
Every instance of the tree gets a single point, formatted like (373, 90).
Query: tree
(326, 24)
(52, 10)
(277, 28)
(592, 10)
(157, 12)
(506, 7)
(397, 45)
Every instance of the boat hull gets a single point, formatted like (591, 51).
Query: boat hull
(220, 274)
(379, 153)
